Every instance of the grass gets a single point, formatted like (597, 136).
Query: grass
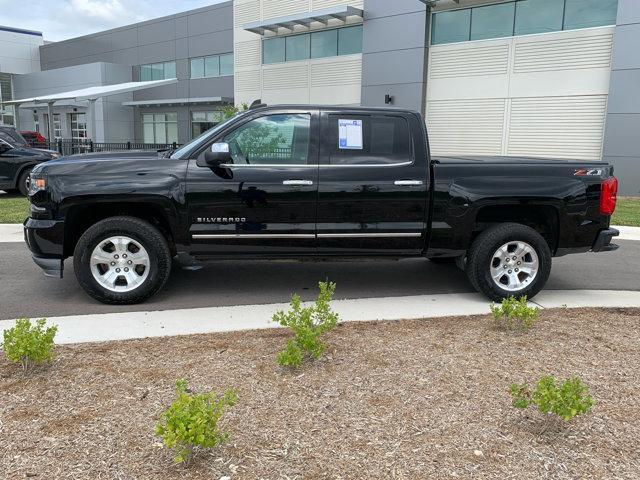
(627, 212)
(13, 209)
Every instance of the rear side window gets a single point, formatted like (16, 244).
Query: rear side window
(369, 140)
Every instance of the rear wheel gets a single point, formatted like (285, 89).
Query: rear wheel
(122, 260)
(509, 260)
(24, 182)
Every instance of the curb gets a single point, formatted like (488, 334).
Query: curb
(168, 323)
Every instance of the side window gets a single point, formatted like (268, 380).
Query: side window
(272, 139)
(369, 140)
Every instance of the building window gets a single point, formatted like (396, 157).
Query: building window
(203, 121)
(160, 128)
(78, 126)
(326, 43)
(57, 126)
(212, 66)
(280, 139)
(157, 71)
(520, 17)
(36, 122)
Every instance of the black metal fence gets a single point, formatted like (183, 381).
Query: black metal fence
(71, 147)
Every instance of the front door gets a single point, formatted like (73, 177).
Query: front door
(264, 202)
(373, 189)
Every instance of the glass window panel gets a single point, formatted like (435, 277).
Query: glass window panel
(147, 117)
(324, 44)
(226, 64)
(197, 67)
(449, 27)
(172, 117)
(197, 116)
(157, 71)
(298, 47)
(148, 134)
(170, 70)
(273, 50)
(145, 73)
(212, 66)
(538, 16)
(590, 13)
(280, 139)
(172, 132)
(350, 40)
(492, 21)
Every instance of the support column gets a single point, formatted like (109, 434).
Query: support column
(50, 117)
(91, 123)
(16, 116)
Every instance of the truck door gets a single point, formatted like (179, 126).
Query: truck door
(264, 202)
(372, 197)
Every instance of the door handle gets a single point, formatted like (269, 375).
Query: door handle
(298, 183)
(408, 183)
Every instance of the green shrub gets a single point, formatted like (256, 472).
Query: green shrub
(514, 314)
(191, 422)
(307, 325)
(566, 401)
(28, 344)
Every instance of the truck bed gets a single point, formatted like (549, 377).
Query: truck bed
(449, 159)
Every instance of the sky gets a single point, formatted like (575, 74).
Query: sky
(62, 19)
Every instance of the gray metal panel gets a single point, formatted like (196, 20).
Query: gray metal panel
(408, 95)
(216, 20)
(407, 32)
(628, 11)
(157, 32)
(621, 140)
(626, 53)
(211, 44)
(211, 87)
(385, 8)
(124, 38)
(157, 52)
(394, 67)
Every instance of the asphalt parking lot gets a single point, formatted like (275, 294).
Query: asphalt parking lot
(24, 291)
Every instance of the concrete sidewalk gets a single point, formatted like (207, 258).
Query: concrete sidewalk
(10, 232)
(123, 326)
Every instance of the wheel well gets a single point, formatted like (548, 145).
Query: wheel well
(79, 218)
(16, 180)
(542, 218)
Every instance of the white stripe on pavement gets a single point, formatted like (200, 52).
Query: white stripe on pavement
(122, 326)
(10, 232)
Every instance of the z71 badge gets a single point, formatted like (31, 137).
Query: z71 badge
(220, 220)
(588, 172)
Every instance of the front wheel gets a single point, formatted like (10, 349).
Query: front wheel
(24, 182)
(509, 260)
(122, 260)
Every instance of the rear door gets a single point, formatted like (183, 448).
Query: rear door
(372, 197)
(264, 202)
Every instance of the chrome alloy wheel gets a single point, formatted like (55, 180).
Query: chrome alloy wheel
(514, 266)
(120, 264)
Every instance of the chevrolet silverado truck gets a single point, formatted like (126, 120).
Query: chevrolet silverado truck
(314, 181)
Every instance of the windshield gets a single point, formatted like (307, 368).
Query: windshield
(186, 150)
(13, 138)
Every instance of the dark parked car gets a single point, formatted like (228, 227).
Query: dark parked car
(17, 159)
(308, 181)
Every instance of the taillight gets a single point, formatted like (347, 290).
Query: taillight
(608, 196)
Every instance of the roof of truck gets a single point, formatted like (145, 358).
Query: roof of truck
(342, 108)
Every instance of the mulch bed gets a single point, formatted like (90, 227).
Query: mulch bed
(411, 399)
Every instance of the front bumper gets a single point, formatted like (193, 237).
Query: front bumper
(45, 239)
(603, 241)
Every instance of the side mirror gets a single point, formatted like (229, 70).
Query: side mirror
(5, 147)
(218, 154)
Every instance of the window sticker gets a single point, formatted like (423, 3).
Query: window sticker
(350, 134)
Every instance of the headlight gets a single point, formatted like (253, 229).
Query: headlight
(36, 185)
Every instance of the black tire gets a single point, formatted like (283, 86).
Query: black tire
(480, 255)
(142, 232)
(23, 182)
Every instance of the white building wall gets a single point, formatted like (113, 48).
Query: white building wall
(333, 80)
(539, 95)
(19, 52)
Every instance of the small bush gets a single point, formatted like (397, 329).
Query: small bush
(29, 344)
(514, 314)
(191, 422)
(307, 325)
(566, 401)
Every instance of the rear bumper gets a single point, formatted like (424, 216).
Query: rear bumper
(45, 239)
(603, 241)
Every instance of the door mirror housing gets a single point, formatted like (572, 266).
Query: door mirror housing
(4, 146)
(218, 154)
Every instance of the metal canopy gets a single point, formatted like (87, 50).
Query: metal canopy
(178, 101)
(305, 19)
(94, 93)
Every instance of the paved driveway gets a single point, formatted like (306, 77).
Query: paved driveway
(24, 291)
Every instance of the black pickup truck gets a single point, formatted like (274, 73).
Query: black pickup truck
(308, 181)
